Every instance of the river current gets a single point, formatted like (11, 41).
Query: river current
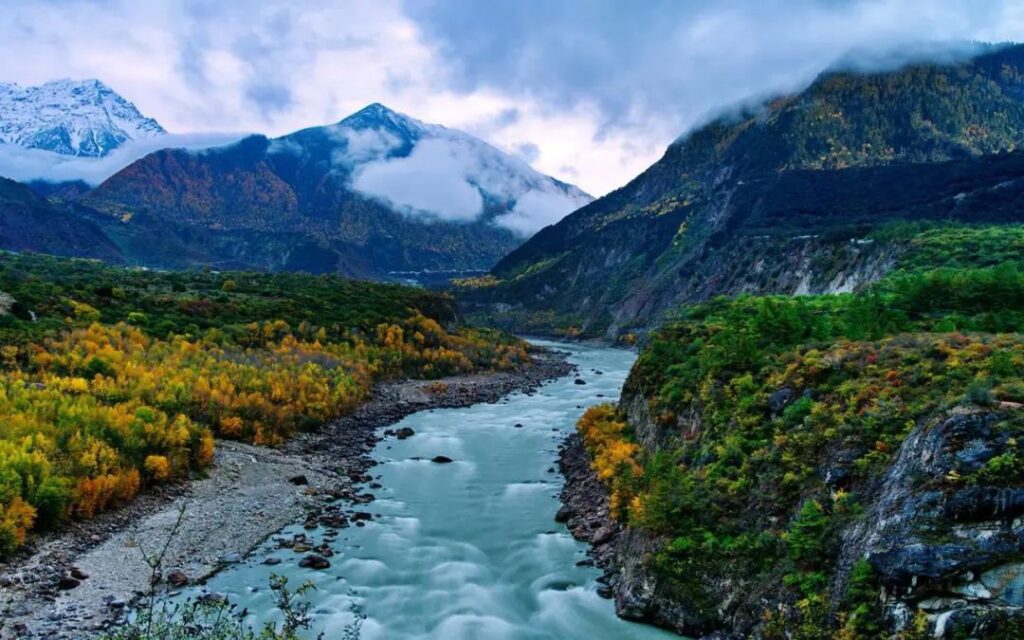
(466, 550)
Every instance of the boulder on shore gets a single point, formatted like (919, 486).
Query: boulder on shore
(177, 578)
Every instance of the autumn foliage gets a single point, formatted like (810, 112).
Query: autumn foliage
(97, 410)
(613, 452)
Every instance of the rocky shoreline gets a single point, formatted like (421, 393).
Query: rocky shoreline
(585, 510)
(618, 550)
(77, 583)
(947, 557)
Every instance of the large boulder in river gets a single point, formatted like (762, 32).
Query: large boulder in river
(314, 561)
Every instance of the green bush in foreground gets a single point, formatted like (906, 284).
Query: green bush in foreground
(215, 619)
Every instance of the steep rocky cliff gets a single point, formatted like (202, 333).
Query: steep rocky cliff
(841, 466)
(951, 551)
(954, 555)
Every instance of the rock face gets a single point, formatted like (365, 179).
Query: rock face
(949, 551)
(620, 551)
(585, 502)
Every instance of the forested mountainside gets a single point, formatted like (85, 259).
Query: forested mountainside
(304, 202)
(115, 379)
(830, 466)
(778, 199)
(31, 223)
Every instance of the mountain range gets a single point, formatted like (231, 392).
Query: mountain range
(775, 198)
(779, 198)
(77, 118)
(374, 195)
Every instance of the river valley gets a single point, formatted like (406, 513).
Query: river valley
(467, 549)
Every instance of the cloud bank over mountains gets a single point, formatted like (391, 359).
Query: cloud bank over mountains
(587, 91)
(433, 179)
(680, 59)
(447, 179)
(429, 170)
(25, 165)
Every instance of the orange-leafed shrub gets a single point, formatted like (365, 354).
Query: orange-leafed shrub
(94, 495)
(158, 467)
(15, 521)
(613, 453)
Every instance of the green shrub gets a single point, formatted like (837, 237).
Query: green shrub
(806, 536)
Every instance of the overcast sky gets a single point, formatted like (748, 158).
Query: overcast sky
(590, 91)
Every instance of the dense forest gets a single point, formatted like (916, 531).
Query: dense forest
(114, 379)
(755, 396)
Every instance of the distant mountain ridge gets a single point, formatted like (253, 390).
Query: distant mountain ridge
(757, 201)
(372, 196)
(31, 223)
(77, 118)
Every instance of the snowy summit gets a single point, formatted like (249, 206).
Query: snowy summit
(420, 167)
(77, 118)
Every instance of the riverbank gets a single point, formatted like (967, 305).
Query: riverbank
(585, 509)
(250, 493)
(617, 550)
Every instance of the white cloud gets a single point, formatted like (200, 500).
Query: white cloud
(362, 145)
(23, 164)
(431, 180)
(537, 209)
(448, 175)
(284, 146)
(598, 88)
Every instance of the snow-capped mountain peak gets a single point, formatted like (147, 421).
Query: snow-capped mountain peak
(377, 115)
(71, 117)
(427, 168)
